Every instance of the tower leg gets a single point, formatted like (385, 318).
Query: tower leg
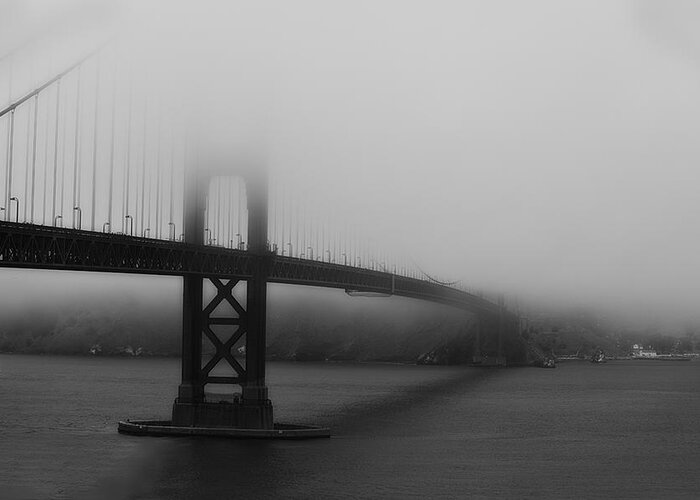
(191, 389)
(477, 358)
(258, 408)
(255, 394)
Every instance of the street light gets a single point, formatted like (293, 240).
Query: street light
(55, 220)
(171, 231)
(14, 198)
(80, 217)
(105, 226)
(147, 232)
(129, 221)
(238, 241)
(345, 258)
(207, 237)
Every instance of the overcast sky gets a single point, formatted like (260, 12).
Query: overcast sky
(543, 148)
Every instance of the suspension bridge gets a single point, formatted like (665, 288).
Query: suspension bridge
(98, 177)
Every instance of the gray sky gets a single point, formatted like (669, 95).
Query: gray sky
(544, 148)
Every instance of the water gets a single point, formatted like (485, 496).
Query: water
(622, 429)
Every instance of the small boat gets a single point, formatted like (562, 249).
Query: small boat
(549, 362)
(598, 357)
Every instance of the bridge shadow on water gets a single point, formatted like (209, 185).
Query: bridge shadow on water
(216, 468)
(388, 414)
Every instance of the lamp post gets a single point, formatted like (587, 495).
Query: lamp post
(105, 226)
(55, 220)
(80, 217)
(15, 199)
(238, 241)
(171, 231)
(345, 258)
(129, 222)
(207, 237)
(147, 232)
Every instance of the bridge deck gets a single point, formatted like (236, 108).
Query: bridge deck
(43, 247)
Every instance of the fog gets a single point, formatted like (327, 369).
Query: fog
(546, 150)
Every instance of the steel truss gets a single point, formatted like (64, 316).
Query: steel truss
(223, 349)
(42, 247)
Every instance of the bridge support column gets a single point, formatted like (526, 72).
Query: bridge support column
(248, 414)
(253, 409)
(191, 390)
(255, 394)
(476, 356)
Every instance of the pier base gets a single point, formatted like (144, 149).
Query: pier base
(238, 414)
(167, 428)
(223, 419)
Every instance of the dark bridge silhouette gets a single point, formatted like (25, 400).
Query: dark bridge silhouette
(149, 197)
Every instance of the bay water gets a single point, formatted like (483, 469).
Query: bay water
(624, 429)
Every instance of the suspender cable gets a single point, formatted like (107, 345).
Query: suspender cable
(149, 194)
(111, 153)
(10, 158)
(240, 214)
(317, 225)
(158, 168)
(273, 210)
(94, 143)
(76, 156)
(298, 221)
(291, 223)
(55, 151)
(149, 208)
(127, 169)
(46, 162)
(280, 214)
(63, 164)
(231, 209)
(46, 166)
(218, 209)
(171, 190)
(143, 168)
(27, 162)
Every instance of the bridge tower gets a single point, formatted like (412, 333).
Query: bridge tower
(253, 410)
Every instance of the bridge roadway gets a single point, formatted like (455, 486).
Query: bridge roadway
(42, 247)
